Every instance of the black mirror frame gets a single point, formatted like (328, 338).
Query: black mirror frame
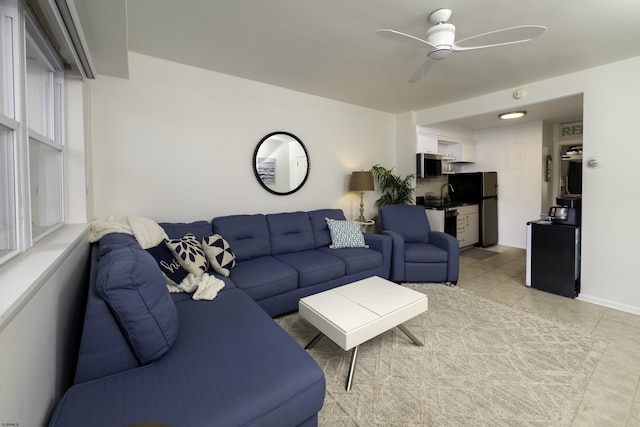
(255, 165)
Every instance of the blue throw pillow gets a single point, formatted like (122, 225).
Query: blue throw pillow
(168, 264)
(131, 283)
(345, 234)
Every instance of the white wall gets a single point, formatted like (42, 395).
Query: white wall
(515, 153)
(610, 243)
(175, 143)
(609, 246)
(40, 343)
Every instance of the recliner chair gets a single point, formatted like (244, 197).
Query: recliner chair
(418, 254)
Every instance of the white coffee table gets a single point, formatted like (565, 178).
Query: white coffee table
(352, 314)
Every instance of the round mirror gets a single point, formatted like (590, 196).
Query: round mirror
(281, 163)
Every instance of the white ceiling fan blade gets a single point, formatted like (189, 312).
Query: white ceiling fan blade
(421, 71)
(502, 37)
(404, 38)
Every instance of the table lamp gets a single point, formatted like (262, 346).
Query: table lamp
(361, 181)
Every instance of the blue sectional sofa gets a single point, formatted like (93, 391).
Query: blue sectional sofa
(148, 356)
(286, 256)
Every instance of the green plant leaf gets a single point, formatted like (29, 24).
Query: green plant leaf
(395, 189)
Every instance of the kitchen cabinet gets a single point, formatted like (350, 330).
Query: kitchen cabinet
(468, 225)
(451, 148)
(463, 152)
(436, 219)
(427, 144)
(553, 258)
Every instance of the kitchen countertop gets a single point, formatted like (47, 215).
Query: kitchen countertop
(439, 204)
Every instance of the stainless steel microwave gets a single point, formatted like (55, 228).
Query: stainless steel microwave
(428, 165)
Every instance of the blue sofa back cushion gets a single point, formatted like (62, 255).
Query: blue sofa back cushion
(115, 240)
(290, 232)
(131, 283)
(176, 230)
(321, 232)
(248, 235)
(409, 221)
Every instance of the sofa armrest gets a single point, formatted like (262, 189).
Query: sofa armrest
(382, 244)
(397, 255)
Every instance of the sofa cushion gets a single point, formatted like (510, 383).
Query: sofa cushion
(345, 234)
(264, 277)
(356, 260)
(248, 235)
(313, 266)
(115, 240)
(319, 225)
(188, 251)
(290, 232)
(131, 283)
(232, 365)
(424, 253)
(175, 230)
(219, 254)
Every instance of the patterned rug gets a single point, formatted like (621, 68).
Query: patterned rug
(483, 364)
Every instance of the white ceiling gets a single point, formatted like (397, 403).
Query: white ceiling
(328, 48)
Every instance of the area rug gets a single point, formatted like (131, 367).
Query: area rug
(483, 364)
(477, 253)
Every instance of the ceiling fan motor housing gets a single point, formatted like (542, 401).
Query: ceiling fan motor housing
(442, 36)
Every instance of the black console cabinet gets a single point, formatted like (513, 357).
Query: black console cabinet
(554, 257)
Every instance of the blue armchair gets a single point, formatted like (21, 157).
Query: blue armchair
(418, 254)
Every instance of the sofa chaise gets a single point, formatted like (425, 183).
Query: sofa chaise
(150, 356)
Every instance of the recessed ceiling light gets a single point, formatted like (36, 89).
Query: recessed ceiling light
(512, 115)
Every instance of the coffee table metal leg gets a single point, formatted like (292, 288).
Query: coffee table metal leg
(408, 333)
(314, 340)
(354, 355)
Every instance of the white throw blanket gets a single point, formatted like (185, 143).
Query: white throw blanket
(149, 234)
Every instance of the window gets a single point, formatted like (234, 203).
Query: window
(32, 151)
(8, 238)
(8, 127)
(44, 118)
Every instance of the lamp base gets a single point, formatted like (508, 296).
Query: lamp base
(361, 217)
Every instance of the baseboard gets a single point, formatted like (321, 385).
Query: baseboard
(609, 304)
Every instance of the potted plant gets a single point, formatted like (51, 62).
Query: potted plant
(395, 189)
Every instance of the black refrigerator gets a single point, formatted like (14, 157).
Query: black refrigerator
(480, 188)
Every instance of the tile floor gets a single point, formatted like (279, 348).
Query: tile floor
(612, 397)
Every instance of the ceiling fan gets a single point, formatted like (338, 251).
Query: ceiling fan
(439, 40)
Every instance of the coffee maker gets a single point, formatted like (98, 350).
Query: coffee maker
(573, 207)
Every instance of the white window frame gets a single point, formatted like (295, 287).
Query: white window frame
(9, 110)
(17, 28)
(52, 133)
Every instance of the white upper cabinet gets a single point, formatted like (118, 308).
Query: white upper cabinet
(427, 143)
(464, 152)
(453, 147)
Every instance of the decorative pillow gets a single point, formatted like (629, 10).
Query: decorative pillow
(345, 234)
(219, 254)
(189, 254)
(131, 284)
(169, 265)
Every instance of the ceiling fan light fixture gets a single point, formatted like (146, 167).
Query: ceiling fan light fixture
(512, 115)
(439, 54)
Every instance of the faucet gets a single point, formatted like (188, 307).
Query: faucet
(450, 190)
